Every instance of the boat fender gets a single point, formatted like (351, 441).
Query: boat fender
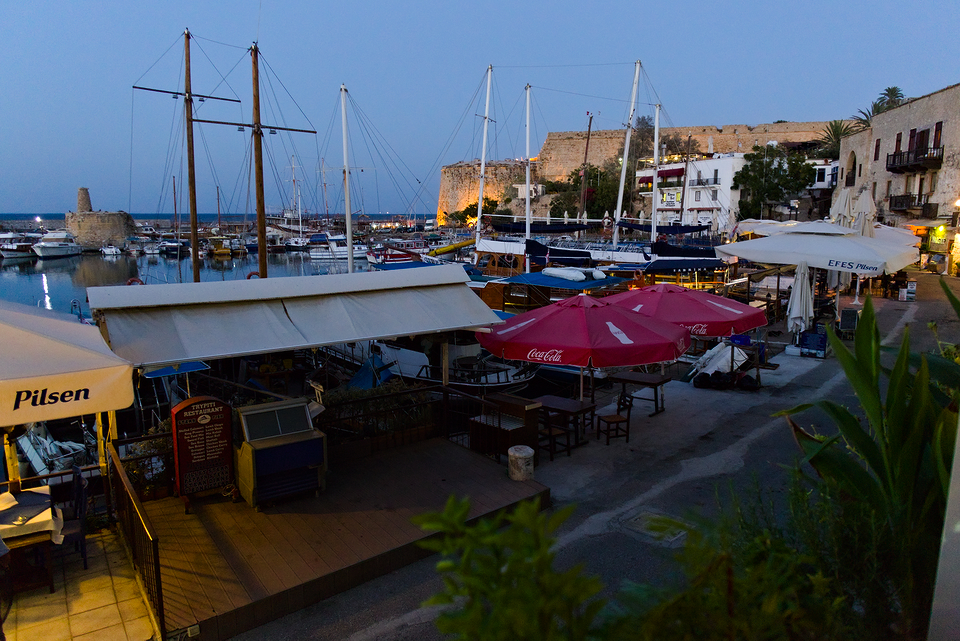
(598, 275)
(252, 274)
(134, 281)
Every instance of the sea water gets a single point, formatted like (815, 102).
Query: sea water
(60, 284)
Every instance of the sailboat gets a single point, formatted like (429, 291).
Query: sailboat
(511, 254)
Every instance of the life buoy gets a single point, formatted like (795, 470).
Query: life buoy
(607, 223)
(134, 281)
(252, 274)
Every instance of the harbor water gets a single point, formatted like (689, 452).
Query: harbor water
(60, 284)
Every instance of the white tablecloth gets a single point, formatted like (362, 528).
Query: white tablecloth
(50, 520)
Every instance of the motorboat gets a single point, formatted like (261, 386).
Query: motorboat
(397, 250)
(18, 245)
(334, 247)
(110, 250)
(174, 248)
(57, 244)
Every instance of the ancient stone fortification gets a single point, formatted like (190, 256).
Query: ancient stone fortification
(562, 153)
(460, 183)
(94, 229)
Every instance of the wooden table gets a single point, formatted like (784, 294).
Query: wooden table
(36, 534)
(643, 380)
(574, 413)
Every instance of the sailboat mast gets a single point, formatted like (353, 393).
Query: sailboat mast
(656, 171)
(258, 165)
(483, 154)
(626, 154)
(346, 179)
(191, 171)
(296, 194)
(583, 172)
(527, 88)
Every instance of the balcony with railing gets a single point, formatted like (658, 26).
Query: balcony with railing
(915, 160)
(704, 182)
(903, 202)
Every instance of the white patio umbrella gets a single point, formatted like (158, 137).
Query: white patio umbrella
(843, 253)
(800, 306)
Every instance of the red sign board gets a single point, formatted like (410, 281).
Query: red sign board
(202, 444)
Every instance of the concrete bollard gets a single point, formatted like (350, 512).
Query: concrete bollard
(520, 463)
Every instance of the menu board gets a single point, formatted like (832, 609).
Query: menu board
(202, 439)
(813, 344)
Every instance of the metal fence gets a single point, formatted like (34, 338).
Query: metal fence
(136, 532)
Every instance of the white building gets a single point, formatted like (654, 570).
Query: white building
(696, 192)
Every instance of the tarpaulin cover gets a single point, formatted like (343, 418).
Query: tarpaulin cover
(542, 228)
(669, 230)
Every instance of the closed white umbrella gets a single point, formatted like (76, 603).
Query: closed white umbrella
(841, 211)
(800, 306)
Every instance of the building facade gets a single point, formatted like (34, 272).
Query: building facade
(908, 160)
(696, 192)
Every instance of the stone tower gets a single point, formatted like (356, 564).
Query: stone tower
(83, 200)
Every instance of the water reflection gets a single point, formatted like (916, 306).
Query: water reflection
(55, 283)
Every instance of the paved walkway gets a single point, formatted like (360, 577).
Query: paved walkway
(101, 603)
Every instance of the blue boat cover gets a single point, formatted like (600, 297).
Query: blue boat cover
(540, 280)
(372, 373)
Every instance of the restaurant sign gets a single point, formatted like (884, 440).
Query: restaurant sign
(202, 438)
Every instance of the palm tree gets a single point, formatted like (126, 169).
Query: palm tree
(829, 139)
(863, 119)
(890, 97)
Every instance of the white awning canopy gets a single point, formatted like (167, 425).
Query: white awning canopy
(56, 367)
(161, 324)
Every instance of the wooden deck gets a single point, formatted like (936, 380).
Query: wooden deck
(230, 568)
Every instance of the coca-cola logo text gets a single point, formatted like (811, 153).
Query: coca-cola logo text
(545, 356)
(698, 329)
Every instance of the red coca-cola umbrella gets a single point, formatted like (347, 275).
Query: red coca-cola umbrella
(586, 332)
(702, 313)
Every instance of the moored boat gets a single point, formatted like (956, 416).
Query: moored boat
(57, 244)
(18, 245)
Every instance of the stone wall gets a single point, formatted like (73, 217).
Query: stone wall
(562, 153)
(95, 229)
(460, 183)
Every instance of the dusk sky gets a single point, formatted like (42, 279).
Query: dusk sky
(415, 74)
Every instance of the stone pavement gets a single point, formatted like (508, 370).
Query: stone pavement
(101, 603)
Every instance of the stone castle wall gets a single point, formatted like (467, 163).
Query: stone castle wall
(562, 153)
(460, 183)
(94, 229)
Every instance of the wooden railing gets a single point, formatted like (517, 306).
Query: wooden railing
(137, 533)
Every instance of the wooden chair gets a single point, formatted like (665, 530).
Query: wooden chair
(550, 432)
(75, 524)
(616, 425)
